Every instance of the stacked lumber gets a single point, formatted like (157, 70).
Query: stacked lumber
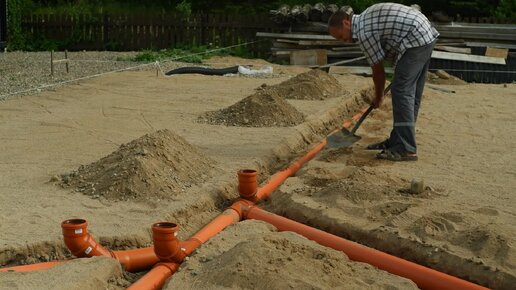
(461, 45)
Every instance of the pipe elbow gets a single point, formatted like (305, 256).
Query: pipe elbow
(167, 246)
(79, 241)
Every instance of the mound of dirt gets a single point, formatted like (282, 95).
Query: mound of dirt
(443, 78)
(91, 273)
(263, 109)
(312, 85)
(252, 255)
(159, 165)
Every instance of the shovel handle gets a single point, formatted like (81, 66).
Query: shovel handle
(364, 115)
(362, 118)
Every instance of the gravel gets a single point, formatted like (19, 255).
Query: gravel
(24, 73)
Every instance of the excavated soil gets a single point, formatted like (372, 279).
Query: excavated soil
(312, 85)
(451, 226)
(262, 109)
(251, 255)
(449, 80)
(159, 165)
(461, 224)
(92, 273)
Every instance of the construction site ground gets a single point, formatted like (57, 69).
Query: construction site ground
(461, 224)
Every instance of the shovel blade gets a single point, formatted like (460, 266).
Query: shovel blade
(342, 139)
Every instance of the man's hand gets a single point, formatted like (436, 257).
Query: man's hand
(377, 102)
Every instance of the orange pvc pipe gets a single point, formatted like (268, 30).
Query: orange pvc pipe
(273, 184)
(424, 277)
(136, 260)
(82, 244)
(226, 218)
(32, 267)
(155, 278)
(247, 185)
(79, 241)
(265, 191)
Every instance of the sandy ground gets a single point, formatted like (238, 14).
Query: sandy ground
(461, 224)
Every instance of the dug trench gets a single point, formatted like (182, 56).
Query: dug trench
(324, 194)
(350, 194)
(138, 173)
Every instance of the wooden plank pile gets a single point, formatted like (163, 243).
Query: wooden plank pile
(480, 43)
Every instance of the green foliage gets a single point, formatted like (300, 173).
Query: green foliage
(186, 53)
(184, 8)
(15, 11)
(506, 9)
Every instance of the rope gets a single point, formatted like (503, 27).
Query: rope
(156, 64)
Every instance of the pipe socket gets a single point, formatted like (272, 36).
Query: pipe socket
(247, 185)
(79, 241)
(166, 244)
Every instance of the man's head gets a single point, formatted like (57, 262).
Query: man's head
(339, 25)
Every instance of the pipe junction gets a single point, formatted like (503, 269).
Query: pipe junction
(169, 252)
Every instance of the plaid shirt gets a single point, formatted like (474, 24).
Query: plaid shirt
(387, 30)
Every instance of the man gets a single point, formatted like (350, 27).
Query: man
(405, 36)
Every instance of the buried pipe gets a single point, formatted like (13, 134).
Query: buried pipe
(82, 244)
(249, 195)
(172, 252)
(273, 184)
(424, 277)
(32, 267)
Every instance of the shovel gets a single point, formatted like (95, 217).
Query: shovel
(344, 138)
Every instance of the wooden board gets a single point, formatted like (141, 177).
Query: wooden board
(497, 52)
(358, 70)
(491, 44)
(308, 57)
(453, 49)
(297, 36)
(467, 57)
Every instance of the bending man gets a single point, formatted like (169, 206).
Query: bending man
(405, 36)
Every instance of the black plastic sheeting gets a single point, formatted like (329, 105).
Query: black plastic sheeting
(478, 72)
(203, 71)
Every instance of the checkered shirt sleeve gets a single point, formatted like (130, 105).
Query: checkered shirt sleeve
(387, 30)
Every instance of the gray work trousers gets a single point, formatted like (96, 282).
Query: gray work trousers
(407, 89)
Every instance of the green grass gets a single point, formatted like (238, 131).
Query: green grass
(185, 53)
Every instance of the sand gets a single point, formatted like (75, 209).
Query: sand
(461, 223)
(159, 165)
(312, 85)
(251, 254)
(265, 108)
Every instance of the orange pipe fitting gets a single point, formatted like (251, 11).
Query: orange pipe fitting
(79, 241)
(247, 185)
(136, 260)
(155, 278)
(166, 244)
(32, 267)
(82, 244)
(424, 277)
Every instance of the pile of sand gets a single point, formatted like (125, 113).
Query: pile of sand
(262, 109)
(88, 273)
(441, 77)
(312, 85)
(252, 255)
(158, 165)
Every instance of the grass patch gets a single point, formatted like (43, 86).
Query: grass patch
(191, 54)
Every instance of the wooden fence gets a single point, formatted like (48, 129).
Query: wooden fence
(149, 31)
